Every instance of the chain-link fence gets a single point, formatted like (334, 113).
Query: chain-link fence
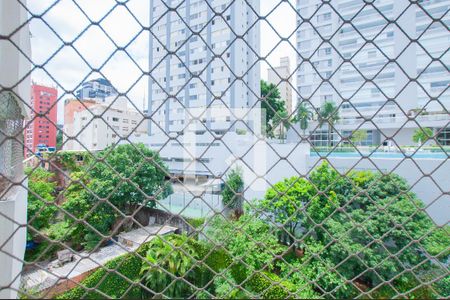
(161, 161)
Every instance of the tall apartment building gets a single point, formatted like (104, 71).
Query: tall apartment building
(281, 76)
(97, 89)
(209, 67)
(94, 133)
(337, 67)
(41, 131)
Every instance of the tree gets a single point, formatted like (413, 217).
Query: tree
(126, 176)
(422, 135)
(358, 136)
(231, 194)
(41, 197)
(271, 104)
(169, 257)
(130, 175)
(281, 121)
(237, 237)
(370, 217)
(59, 139)
(329, 114)
(284, 203)
(304, 115)
(82, 205)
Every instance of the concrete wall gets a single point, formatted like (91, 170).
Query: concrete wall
(429, 178)
(13, 219)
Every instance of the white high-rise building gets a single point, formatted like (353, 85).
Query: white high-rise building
(363, 65)
(198, 61)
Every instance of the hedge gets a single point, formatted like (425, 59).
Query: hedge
(113, 285)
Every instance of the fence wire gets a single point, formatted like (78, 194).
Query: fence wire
(216, 184)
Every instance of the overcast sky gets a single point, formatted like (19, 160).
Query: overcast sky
(68, 21)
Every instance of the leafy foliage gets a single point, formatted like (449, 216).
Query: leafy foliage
(104, 182)
(41, 197)
(422, 135)
(128, 174)
(113, 285)
(233, 186)
(284, 203)
(170, 260)
(271, 104)
(359, 136)
(377, 217)
(247, 233)
(328, 114)
(303, 116)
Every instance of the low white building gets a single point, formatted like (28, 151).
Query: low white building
(204, 157)
(102, 125)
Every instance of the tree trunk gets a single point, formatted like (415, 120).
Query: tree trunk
(329, 136)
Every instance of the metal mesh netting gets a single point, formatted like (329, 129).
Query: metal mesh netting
(178, 172)
(11, 122)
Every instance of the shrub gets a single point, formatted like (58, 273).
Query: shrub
(269, 286)
(40, 198)
(166, 258)
(234, 185)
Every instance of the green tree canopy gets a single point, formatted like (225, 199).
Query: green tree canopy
(304, 114)
(284, 202)
(329, 114)
(237, 237)
(41, 197)
(130, 175)
(422, 135)
(351, 227)
(234, 185)
(169, 257)
(271, 104)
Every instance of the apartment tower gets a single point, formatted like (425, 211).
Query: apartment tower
(40, 131)
(364, 65)
(202, 56)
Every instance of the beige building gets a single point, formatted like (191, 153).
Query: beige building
(95, 133)
(280, 76)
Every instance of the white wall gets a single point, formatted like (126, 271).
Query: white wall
(13, 212)
(14, 65)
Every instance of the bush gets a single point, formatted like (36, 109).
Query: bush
(41, 197)
(234, 185)
(195, 222)
(269, 286)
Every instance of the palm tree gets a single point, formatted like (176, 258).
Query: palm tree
(328, 114)
(281, 120)
(165, 253)
(304, 115)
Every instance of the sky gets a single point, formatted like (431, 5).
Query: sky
(66, 67)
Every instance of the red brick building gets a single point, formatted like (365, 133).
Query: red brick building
(41, 130)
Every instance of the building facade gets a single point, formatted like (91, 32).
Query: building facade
(281, 77)
(97, 125)
(41, 131)
(213, 64)
(369, 80)
(97, 89)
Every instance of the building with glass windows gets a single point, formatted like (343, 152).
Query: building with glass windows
(382, 81)
(203, 62)
(97, 89)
